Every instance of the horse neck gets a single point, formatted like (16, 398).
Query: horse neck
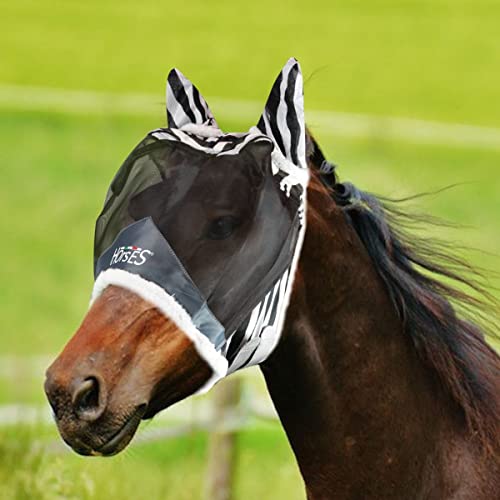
(357, 405)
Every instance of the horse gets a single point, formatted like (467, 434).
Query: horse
(382, 377)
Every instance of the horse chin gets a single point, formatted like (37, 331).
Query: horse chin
(118, 441)
(111, 436)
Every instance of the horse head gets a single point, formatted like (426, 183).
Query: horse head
(195, 252)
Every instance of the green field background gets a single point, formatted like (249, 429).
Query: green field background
(432, 61)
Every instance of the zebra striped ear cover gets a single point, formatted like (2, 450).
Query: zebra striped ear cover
(190, 121)
(185, 105)
(283, 116)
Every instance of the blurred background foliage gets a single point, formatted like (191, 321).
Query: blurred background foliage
(82, 82)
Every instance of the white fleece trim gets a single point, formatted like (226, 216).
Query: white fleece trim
(293, 269)
(154, 294)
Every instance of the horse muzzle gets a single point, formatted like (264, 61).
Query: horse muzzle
(126, 362)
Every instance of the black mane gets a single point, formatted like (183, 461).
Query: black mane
(427, 283)
(440, 297)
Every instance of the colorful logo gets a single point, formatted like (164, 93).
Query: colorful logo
(130, 255)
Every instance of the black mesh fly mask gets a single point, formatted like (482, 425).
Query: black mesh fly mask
(208, 226)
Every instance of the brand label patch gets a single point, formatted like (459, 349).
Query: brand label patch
(130, 255)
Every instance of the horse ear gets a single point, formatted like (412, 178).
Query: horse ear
(185, 105)
(283, 116)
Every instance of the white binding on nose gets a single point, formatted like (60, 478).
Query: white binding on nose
(167, 304)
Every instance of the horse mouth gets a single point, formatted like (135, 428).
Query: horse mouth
(118, 441)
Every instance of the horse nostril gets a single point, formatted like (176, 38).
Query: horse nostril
(88, 399)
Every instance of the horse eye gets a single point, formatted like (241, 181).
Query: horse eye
(222, 227)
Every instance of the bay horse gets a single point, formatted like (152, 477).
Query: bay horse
(385, 387)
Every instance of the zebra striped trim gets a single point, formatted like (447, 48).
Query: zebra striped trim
(223, 144)
(262, 331)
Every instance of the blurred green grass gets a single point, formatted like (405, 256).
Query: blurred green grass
(427, 59)
(172, 469)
